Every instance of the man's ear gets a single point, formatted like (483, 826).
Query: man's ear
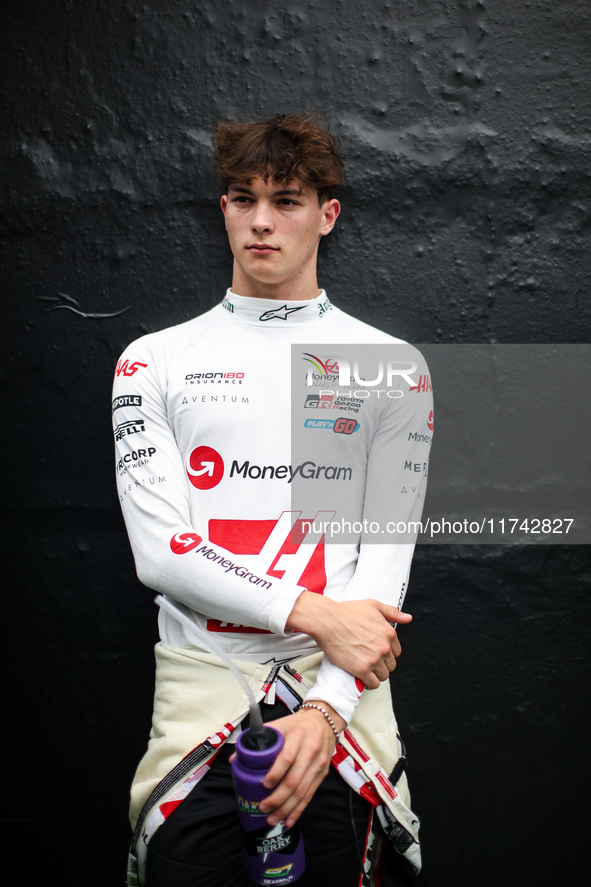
(224, 204)
(331, 210)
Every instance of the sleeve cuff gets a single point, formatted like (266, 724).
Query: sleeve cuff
(338, 688)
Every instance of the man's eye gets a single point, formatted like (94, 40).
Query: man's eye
(240, 198)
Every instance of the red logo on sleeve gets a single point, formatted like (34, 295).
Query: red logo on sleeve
(125, 368)
(424, 385)
(181, 543)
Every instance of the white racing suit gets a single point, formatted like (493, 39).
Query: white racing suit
(202, 420)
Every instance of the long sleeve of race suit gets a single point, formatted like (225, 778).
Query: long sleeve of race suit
(154, 496)
(395, 492)
(169, 524)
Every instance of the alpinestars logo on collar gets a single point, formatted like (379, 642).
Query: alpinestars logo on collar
(280, 313)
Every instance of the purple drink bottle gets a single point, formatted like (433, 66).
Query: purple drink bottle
(273, 854)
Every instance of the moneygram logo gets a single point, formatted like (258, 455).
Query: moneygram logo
(430, 421)
(205, 468)
(181, 543)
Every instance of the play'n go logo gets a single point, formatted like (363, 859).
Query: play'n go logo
(205, 468)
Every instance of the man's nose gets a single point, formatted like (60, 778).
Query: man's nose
(262, 219)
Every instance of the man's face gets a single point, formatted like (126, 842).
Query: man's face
(274, 232)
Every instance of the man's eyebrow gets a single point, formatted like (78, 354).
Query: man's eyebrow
(283, 192)
(288, 192)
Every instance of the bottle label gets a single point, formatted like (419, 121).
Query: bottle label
(267, 840)
(280, 874)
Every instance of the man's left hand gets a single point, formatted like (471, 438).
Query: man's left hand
(302, 763)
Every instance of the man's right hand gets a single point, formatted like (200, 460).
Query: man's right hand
(356, 635)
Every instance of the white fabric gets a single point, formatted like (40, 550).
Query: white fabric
(222, 381)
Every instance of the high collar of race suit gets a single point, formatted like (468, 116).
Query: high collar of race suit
(275, 312)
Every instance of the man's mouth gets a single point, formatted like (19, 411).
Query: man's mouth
(261, 249)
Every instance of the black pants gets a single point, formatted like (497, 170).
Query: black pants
(200, 844)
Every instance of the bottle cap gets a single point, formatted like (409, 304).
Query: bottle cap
(258, 750)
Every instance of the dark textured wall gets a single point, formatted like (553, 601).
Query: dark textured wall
(467, 134)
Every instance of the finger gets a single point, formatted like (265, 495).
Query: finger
(295, 814)
(390, 663)
(288, 794)
(299, 765)
(392, 614)
(277, 805)
(281, 765)
(287, 809)
(293, 809)
(293, 804)
(371, 681)
(391, 659)
(289, 767)
(299, 782)
(382, 671)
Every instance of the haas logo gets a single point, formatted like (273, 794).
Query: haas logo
(205, 468)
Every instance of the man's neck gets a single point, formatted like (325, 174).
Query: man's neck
(294, 290)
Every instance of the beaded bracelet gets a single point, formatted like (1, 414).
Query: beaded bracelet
(326, 715)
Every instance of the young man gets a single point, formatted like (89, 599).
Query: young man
(202, 427)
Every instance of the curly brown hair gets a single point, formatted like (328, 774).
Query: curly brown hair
(283, 148)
